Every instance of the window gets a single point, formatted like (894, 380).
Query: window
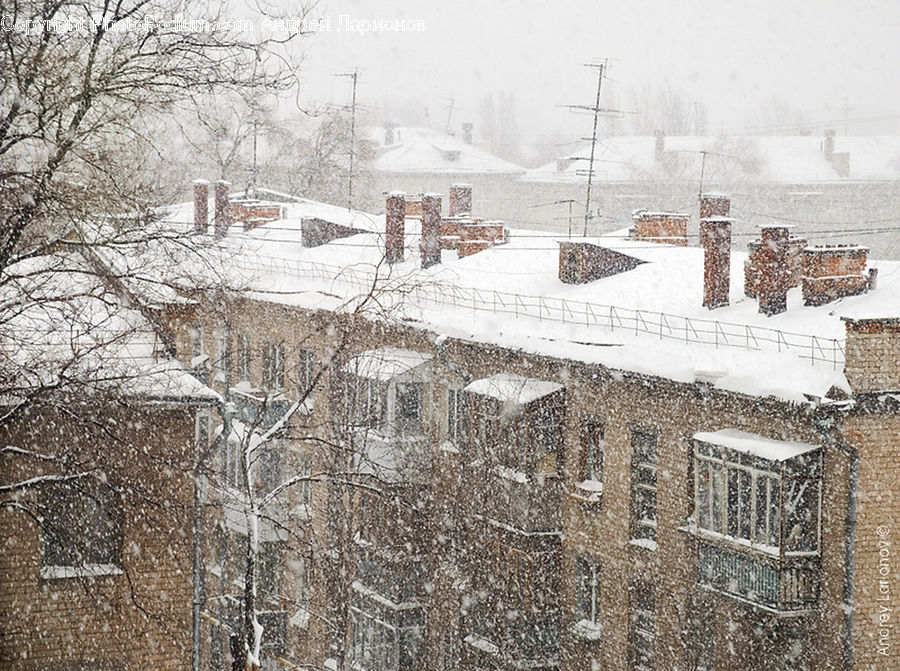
(81, 527)
(273, 366)
(590, 467)
(222, 355)
(233, 466)
(243, 358)
(306, 370)
(642, 629)
(587, 591)
(196, 335)
(643, 484)
(267, 466)
(373, 644)
(592, 446)
(371, 403)
(741, 495)
(268, 571)
(408, 410)
(514, 573)
(456, 416)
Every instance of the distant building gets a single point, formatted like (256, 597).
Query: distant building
(419, 160)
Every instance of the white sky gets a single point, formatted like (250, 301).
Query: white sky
(729, 55)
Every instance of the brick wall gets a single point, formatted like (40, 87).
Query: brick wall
(106, 622)
(873, 355)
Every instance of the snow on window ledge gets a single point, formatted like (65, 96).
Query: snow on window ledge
(83, 571)
(646, 543)
(482, 644)
(587, 630)
(588, 491)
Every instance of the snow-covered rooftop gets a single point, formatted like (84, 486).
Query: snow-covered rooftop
(728, 159)
(68, 327)
(646, 320)
(420, 150)
(750, 443)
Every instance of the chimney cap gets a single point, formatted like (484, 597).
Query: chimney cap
(461, 185)
(431, 195)
(714, 194)
(201, 182)
(719, 217)
(775, 225)
(223, 182)
(396, 193)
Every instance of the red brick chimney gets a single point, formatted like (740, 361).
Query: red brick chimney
(430, 244)
(661, 227)
(715, 238)
(834, 271)
(714, 205)
(222, 221)
(774, 274)
(201, 205)
(467, 132)
(460, 199)
(395, 220)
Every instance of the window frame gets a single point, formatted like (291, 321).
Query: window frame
(587, 568)
(74, 540)
(644, 484)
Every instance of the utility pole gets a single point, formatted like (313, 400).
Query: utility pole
(597, 110)
(450, 111)
(255, 173)
(354, 76)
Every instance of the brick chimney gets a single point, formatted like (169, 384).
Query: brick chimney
(834, 271)
(222, 221)
(714, 205)
(828, 147)
(774, 274)
(395, 220)
(660, 145)
(467, 132)
(460, 199)
(201, 205)
(661, 227)
(430, 244)
(715, 238)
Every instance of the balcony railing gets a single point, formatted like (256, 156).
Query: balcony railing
(781, 585)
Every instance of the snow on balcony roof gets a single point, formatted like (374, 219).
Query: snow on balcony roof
(758, 446)
(386, 363)
(511, 388)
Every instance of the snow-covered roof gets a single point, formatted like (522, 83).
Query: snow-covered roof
(728, 160)
(511, 388)
(420, 150)
(758, 446)
(386, 363)
(647, 320)
(64, 321)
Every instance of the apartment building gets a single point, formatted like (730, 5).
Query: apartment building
(619, 452)
(101, 439)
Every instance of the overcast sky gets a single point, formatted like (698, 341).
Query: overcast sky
(729, 55)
